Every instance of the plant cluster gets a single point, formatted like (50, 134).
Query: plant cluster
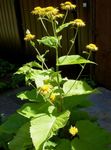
(7, 78)
(52, 118)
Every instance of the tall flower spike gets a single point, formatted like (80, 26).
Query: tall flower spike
(73, 130)
(78, 22)
(92, 47)
(67, 6)
(29, 36)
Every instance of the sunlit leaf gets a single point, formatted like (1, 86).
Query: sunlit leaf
(30, 110)
(26, 67)
(45, 126)
(73, 87)
(72, 60)
(60, 28)
(30, 95)
(50, 41)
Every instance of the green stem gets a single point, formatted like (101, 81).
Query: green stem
(73, 42)
(44, 26)
(54, 28)
(71, 45)
(65, 17)
(79, 73)
(38, 54)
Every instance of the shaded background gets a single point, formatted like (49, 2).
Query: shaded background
(15, 18)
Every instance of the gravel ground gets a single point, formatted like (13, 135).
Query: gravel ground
(102, 108)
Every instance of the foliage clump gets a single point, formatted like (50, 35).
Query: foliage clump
(52, 118)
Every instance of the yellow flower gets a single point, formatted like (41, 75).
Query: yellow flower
(59, 15)
(52, 13)
(92, 47)
(67, 6)
(29, 36)
(45, 89)
(52, 97)
(38, 11)
(73, 130)
(49, 12)
(78, 22)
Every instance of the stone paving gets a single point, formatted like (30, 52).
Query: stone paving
(102, 108)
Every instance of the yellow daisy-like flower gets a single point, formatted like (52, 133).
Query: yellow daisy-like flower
(49, 12)
(92, 47)
(59, 15)
(67, 6)
(52, 13)
(45, 89)
(29, 36)
(38, 11)
(52, 97)
(73, 130)
(78, 23)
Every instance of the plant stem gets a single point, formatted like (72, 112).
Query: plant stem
(54, 28)
(79, 73)
(38, 54)
(44, 25)
(71, 44)
(57, 67)
(65, 17)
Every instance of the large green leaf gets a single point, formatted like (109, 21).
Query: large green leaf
(10, 127)
(71, 102)
(45, 126)
(30, 95)
(50, 41)
(63, 144)
(49, 145)
(77, 115)
(72, 60)
(72, 87)
(22, 140)
(27, 67)
(60, 28)
(91, 137)
(12, 124)
(30, 110)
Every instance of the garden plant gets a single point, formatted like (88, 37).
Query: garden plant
(52, 117)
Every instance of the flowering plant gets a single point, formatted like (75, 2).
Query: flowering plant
(52, 119)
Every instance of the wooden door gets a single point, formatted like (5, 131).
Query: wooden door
(103, 40)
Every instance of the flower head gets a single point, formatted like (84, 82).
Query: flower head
(92, 47)
(78, 22)
(45, 89)
(67, 6)
(49, 12)
(29, 36)
(73, 130)
(38, 11)
(52, 97)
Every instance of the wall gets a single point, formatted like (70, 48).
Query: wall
(103, 40)
(10, 42)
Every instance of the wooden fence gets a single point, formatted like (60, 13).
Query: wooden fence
(15, 18)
